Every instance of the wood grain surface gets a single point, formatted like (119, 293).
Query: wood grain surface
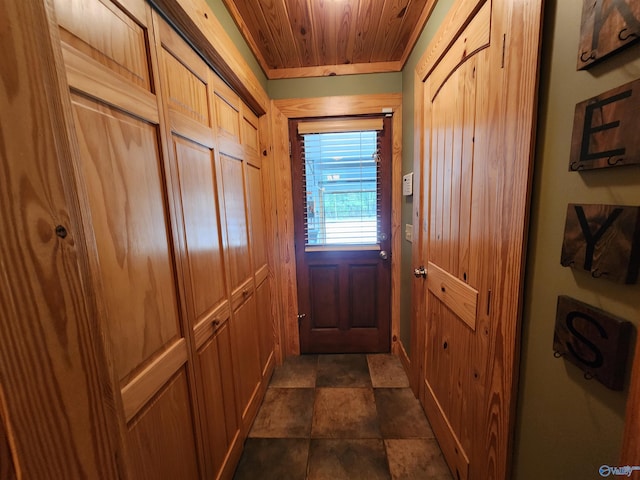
(473, 159)
(297, 38)
(56, 405)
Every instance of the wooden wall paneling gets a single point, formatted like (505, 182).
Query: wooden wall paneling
(58, 412)
(287, 284)
(330, 107)
(325, 31)
(253, 19)
(269, 178)
(396, 226)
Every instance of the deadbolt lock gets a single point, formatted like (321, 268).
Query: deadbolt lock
(420, 272)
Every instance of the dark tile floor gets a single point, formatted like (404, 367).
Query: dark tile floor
(333, 417)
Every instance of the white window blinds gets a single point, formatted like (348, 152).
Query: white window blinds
(341, 179)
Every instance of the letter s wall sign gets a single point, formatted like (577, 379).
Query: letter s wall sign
(604, 240)
(594, 341)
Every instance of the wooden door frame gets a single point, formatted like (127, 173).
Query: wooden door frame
(282, 111)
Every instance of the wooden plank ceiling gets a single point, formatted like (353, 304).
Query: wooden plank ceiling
(312, 38)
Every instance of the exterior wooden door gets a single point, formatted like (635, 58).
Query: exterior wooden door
(342, 208)
(476, 88)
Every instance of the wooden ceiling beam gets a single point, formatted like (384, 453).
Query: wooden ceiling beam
(334, 70)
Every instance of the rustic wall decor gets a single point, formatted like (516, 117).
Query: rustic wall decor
(593, 340)
(603, 240)
(605, 129)
(607, 26)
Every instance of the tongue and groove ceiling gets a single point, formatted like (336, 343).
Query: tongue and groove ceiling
(313, 38)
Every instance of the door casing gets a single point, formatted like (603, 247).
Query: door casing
(282, 111)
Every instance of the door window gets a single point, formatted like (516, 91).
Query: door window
(341, 179)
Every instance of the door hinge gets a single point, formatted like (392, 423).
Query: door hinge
(289, 148)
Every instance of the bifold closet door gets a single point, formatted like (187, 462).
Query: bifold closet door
(188, 94)
(123, 164)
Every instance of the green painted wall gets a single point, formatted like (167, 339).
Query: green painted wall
(231, 29)
(567, 426)
(367, 84)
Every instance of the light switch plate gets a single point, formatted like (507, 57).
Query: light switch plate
(408, 232)
(407, 184)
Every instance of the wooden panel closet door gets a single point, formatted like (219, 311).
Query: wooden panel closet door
(258, 238)
(123, 164)
(234, 197)
(478, 89)
(186, 84)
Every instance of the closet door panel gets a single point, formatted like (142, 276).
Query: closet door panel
(246, 353)
(235, 213)
(256, 217)
(126, 176)
(220, 424)
(161, 439)
(120, 163)
(110, 36)
(264, 322)
(199, 207)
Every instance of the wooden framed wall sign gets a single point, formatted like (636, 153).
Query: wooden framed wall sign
(603, 240)
(605, 129)
(607, 26)
(593, 340)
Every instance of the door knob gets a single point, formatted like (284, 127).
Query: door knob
(420, 272)
(383, 254)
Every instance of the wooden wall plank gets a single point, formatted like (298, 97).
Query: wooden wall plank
(252, 19)
(368, 21)
(299, 12)
(389, 26)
